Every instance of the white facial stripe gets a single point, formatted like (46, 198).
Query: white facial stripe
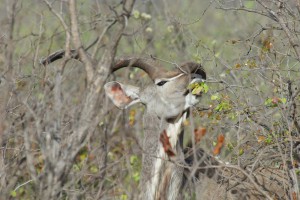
(174, 130)
(168, 79)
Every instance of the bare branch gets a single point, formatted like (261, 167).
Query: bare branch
(77, 42)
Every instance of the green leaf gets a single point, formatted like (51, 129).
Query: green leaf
(219, 107)
(136, 176)
(230, 146)
(225, 105)
(215, 97)
(268, 102)
(269, 139)
(192, 86)
(124, 197)
(205, 87)
(283, 100)
(13, 193)
(232, 116)
(241, 152)
(197, 88)
(94, 169)
(76, 167)
(136, 14)
(274, 102)
(133, 159)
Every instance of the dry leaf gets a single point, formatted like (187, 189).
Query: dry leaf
(219, 145)
(261, 139)
(199, 133)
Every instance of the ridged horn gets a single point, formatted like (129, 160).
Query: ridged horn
(140, 63)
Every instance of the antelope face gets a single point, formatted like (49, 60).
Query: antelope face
(167, 97)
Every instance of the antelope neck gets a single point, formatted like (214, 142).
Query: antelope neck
(173, 130)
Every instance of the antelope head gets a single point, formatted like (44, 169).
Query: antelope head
(168, 96)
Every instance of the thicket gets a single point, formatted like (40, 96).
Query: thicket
(62, 139)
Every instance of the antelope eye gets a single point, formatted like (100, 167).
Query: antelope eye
(161, 83)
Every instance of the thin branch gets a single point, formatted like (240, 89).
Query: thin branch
(278, 17)
(65, 26)
(21, 185)
(38, 42)
(77, 42)
(11, 10)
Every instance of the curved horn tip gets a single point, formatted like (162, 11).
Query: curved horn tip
(193, 67)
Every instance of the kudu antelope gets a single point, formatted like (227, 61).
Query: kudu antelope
(167, 101)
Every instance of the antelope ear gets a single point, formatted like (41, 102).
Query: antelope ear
(121, 95)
